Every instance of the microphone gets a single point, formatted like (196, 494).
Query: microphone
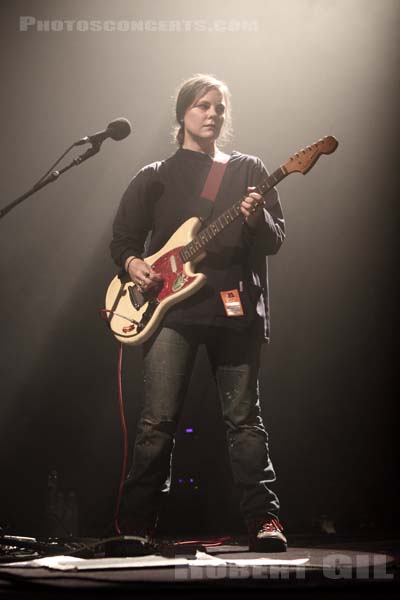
(116, 130)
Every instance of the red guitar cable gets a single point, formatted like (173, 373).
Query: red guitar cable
(125, 442)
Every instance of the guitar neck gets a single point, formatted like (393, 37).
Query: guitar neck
(206, 235)
(301, 162)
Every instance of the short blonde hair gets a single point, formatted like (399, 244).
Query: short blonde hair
(191, 90)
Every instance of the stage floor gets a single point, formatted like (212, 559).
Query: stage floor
(321, 565)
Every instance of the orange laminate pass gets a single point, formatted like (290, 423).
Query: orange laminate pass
(232, 304)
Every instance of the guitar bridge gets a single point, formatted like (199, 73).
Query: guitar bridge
(136, 297)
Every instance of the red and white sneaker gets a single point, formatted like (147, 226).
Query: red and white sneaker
(266, 535)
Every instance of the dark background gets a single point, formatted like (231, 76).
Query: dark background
(310, 68)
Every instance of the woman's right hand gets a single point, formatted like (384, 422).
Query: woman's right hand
(142, 274)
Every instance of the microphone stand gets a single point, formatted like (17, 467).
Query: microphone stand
(52, 177)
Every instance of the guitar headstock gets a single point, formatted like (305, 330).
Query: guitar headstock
(306, 158)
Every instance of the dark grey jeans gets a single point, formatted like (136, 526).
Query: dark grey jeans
(168, 361)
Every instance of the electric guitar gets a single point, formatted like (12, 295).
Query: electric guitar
(133, 316)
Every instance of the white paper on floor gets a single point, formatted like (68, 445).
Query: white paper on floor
(207, 560)
(70, 563)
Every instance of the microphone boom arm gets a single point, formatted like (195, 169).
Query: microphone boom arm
(51, 177)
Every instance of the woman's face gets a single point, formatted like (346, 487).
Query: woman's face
(204, 119)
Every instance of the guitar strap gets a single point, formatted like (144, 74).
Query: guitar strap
(214, 177)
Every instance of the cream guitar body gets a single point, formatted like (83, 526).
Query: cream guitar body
(133, 316)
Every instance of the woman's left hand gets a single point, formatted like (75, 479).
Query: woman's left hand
(251, 207)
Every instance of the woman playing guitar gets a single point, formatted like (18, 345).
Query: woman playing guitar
(228, 313)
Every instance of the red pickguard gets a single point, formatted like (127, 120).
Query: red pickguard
(163, 266)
